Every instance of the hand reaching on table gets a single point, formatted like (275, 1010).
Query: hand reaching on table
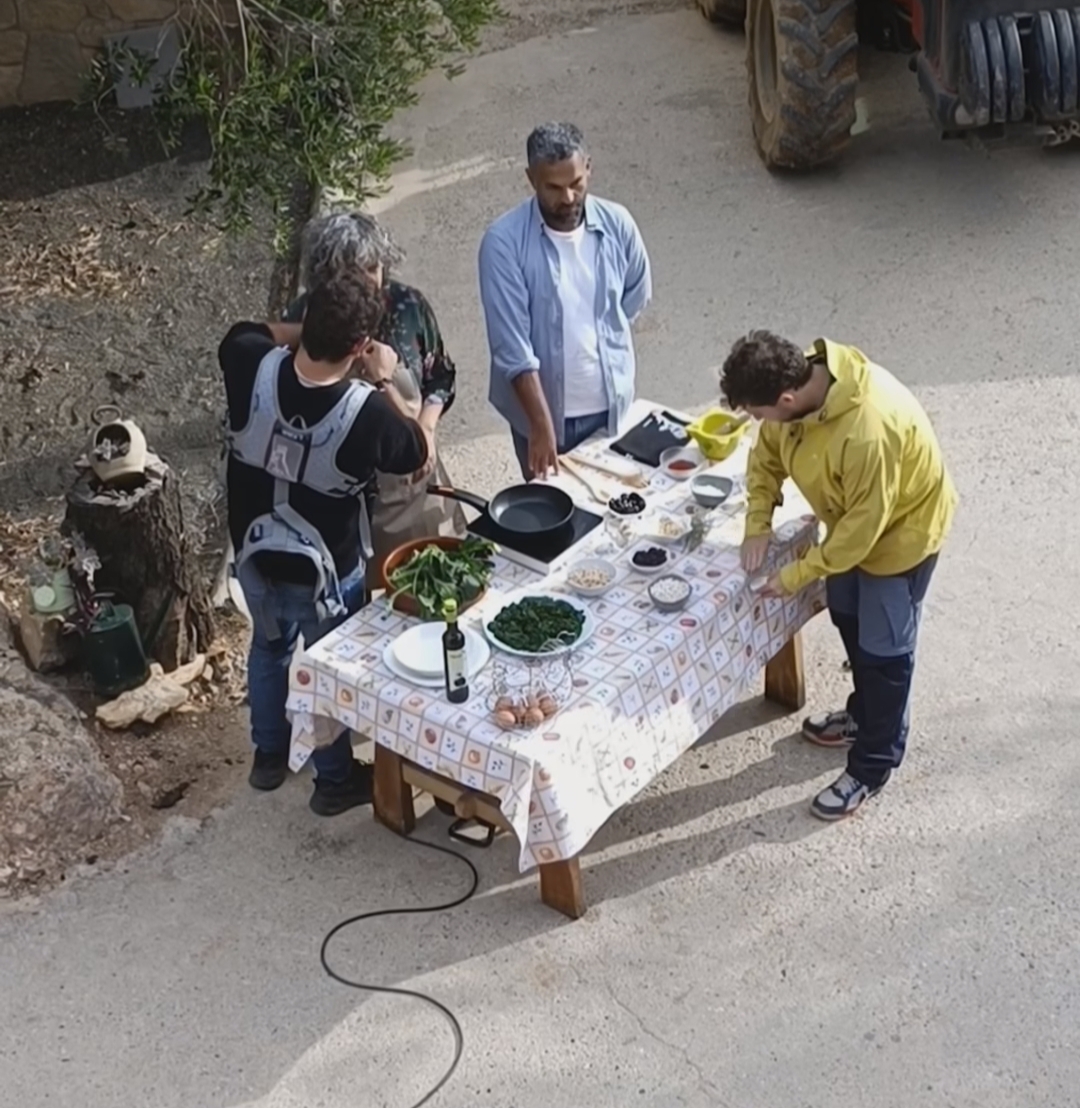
(543, 449)
(754, 552)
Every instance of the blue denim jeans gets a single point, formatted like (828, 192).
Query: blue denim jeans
(280, 614)
(576, 429)
(878, 620)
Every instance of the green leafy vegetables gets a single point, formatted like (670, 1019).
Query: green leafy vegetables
(538, 624)
(433, 575)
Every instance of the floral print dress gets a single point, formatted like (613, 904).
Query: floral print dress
(403, 510)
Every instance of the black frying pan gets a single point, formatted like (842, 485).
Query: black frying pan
(520, 509)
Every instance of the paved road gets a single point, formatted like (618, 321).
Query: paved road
(737, 953)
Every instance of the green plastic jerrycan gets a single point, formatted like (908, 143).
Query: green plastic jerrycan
(113, 651)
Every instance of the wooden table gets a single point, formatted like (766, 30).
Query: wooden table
(561, 884)
(640, 693)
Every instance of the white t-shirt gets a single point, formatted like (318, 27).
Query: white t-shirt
(584, 389)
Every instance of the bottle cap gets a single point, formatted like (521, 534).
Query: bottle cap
(449, 609)
(44, 597)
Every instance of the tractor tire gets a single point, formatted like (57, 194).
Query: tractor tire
(731, 13)
(802, 65)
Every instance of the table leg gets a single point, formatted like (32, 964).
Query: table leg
(785, 678)
(561, 888)
(393, 802)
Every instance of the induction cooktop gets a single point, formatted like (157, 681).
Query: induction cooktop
(541, 553)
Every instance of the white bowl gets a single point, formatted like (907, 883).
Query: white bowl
(671, 605)
(628, 515)
(711, 491)
(668, 559)
(689, 454)
(653, 533)
(593, 565)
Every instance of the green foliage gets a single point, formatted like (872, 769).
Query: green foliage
(298, 93)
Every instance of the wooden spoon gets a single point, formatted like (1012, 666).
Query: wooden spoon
(571, 466)
(635, 480)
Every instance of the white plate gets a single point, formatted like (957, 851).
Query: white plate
(477, 655)
(419, 649)
(587, 628)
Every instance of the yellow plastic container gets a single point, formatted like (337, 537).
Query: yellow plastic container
(717, 433)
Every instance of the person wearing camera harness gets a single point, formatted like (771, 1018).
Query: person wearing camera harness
(305, 440)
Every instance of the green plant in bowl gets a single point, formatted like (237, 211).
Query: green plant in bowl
(424, 574)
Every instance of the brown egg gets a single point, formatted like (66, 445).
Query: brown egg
(519, 712)
(532, 702)
(548, 705)
(533, 716)
(504, 704)
(506, 720)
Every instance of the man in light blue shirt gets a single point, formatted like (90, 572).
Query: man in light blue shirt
(562, 278)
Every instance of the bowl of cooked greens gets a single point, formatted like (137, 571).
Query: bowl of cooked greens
(421, 574)
(539, 626)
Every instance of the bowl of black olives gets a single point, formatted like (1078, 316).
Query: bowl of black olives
(650, 559)
(627, 504)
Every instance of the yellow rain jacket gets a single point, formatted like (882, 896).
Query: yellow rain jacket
(870, 466)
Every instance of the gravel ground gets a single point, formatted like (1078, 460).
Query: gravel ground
(110, 293)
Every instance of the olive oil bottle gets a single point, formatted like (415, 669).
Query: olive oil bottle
(453, 649)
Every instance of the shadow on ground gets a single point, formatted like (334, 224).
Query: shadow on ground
(53, 147)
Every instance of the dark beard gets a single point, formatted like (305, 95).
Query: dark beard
(564, 222)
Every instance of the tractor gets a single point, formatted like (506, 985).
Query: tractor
(990, 71)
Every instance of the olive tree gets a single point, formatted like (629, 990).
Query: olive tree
(296, 96)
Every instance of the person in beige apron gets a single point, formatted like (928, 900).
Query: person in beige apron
(423, 386)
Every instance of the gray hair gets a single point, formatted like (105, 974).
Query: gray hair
(346, 242)
(555, 142)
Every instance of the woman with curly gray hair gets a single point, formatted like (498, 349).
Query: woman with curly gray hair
(424, 384)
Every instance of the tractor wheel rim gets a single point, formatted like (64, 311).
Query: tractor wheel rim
(766, 62)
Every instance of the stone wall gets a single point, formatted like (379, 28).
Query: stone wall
(46, 46)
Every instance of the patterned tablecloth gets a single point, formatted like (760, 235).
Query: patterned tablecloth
(634, 697)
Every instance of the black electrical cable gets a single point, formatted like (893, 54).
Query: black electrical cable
(455, 1027)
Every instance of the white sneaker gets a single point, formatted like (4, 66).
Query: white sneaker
(836, 729)
(843, 798)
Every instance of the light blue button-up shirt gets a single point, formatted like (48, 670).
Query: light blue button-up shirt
(519, 273)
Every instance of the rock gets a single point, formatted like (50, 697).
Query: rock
(8, 15)
(91, 32)
(50, 15)
(10, 82)
(142, 11)
(12, 47)
(160, 694)
(170, 797)
(54, 69)
(56, 793)
(179, 831)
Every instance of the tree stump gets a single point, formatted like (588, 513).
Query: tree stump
(146, 558)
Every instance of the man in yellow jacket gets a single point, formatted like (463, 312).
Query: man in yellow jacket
(862, 451)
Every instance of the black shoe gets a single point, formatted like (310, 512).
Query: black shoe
(268, 771)
(333, 798)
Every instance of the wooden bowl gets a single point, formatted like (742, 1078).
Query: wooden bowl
(405, 603)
